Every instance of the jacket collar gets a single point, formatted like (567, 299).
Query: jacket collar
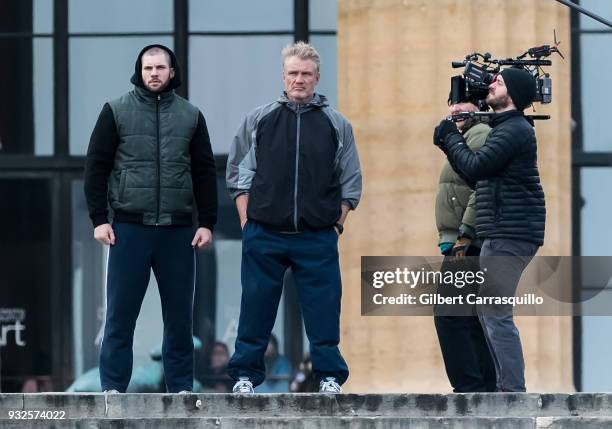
(500, 118)
(151, 97)
(318, 100)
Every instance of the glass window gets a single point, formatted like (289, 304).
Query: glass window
(100, 70)
(32, 16)
(596, 233)
(26, 122)
(43, 16)
(595, 57)
(15, 16)
(602, 8)
(326, 46)
(323, 15)
(89, 277)
(26, 267)
(120, 16)
(227, 248)
(229, 290)
(230, 76)
(43, 96)
(240, 15)
(596, 350)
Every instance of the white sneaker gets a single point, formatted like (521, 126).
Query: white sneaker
(329, 385)
(243, 385)
(111, 392)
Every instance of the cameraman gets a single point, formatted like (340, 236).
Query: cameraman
(510, 210)
(467, 359)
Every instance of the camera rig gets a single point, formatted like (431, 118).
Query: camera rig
(479, 71)
(486, 116)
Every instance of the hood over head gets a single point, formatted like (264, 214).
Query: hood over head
(174, 83)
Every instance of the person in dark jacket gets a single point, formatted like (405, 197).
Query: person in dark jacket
(150, 158)
(466, 356)
(510, 210)
(294, 174)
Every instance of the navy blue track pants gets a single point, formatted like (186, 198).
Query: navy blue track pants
(138, 249)
(313, 259)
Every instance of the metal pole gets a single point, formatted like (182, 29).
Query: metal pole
(586, 12)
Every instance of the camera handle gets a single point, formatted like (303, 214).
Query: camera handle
(486, 116)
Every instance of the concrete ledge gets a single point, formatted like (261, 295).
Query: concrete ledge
(282, 423)
(574, 422)
(153, 405)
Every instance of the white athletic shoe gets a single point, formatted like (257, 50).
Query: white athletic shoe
(329, 385)
(243, 385)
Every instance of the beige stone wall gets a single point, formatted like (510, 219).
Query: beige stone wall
(393, 80)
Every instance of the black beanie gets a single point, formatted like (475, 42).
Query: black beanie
(521, 86)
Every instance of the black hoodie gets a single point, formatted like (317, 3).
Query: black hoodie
(105, 140)
(174, 83)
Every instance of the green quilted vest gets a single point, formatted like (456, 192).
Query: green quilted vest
(151, 175)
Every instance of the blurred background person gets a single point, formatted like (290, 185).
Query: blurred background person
(214, 376)
(304, 380)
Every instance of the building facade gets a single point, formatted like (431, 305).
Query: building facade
(67, 58)
(385, 64)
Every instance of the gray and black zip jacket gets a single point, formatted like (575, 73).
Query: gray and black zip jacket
(297, 162)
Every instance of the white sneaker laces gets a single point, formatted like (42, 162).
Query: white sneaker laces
(329, 385)
(243, 385)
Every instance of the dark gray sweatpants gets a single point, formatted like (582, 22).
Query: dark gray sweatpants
(503, 261)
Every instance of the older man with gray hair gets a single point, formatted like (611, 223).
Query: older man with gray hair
(294, 174)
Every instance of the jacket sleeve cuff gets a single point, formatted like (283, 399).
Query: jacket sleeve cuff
(206, 223)
(467, 231)
(235, 193)
(451, 140)
(100, 219)
(351, 204)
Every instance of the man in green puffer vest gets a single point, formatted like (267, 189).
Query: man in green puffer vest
(150, 158)
(466, 356)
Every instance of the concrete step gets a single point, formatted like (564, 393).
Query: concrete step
(573, 423)
(287, 423)
(319, 423)
(91, 406)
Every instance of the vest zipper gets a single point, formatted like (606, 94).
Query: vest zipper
(297, 162)
(158, 162)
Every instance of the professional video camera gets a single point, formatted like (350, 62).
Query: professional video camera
(480, 70)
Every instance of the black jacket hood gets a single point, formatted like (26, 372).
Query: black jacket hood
(174, 83)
